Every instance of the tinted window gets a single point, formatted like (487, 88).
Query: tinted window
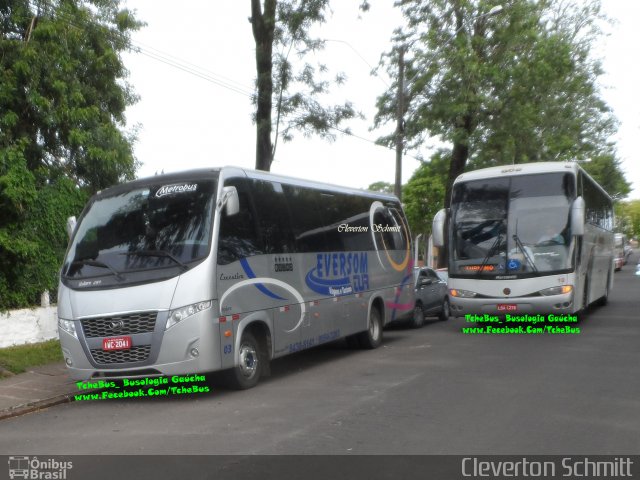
(306, 221)
(143, 228)
(239, 233)
(274, 220)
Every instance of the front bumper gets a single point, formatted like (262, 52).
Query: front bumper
(556, 304)
(191, 346)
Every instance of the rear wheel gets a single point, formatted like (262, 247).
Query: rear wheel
(251, 364)
(417, 320)
(372, 337)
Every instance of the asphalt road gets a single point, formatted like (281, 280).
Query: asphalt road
(426, 391)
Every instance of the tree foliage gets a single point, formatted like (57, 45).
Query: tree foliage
(628, 218)
(518, 86)
(423, 195)
(63, 96)
(384, 187)
(288, 94)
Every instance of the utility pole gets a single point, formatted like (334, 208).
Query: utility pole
(400, 125)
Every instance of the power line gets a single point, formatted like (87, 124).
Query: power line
(196, 70)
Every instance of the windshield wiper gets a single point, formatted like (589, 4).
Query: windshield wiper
(156, 253)
(495, 246)
(97, 263)
(524, 252)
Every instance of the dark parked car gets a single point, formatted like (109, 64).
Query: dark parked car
(431, 297)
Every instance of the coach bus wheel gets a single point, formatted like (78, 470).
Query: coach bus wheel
(372, 337)
(248, 372)
(417, 320)
(585, 298)
(444, 314)
(605, 298)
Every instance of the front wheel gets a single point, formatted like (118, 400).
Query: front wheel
(251, 364)
(372, 337)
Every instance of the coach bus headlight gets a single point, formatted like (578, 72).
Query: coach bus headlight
(179, 314)
(455, 292)
(562, 289)
(68, 326)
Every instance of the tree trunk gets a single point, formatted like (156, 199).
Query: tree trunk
(263, 26)
(459, 157)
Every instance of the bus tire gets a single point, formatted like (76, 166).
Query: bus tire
(248, 372)
(372, 337)
(417, 320)
(585, 299)
(445, 312)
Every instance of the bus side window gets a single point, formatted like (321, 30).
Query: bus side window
(308, 227)
(238, 233)
(274, 218)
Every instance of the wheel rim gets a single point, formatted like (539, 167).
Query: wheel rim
(248, 360)
(445, 309)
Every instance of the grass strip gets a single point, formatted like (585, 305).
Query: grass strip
(19, 358)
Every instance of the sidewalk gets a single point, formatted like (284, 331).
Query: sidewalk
(38, 388)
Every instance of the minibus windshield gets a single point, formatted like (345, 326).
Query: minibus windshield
(150, 227)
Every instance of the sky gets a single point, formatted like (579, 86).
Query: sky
(195, 70)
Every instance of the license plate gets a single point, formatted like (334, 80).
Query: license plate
(116, 343)
(507, 307)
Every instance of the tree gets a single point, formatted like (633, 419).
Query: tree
(515, 87)
(62, 89)
(63, 95)
(423, 195)
(628, 218)
(384, 187)
(281, 28)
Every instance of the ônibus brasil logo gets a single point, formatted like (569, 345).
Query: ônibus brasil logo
(34, 468)
(181, 188)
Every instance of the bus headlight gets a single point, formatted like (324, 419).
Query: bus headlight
(68, 326)
(455, 292)
(181, 313)
(562, 289)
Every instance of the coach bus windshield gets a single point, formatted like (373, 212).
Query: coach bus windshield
(144, 233)
(512, 226)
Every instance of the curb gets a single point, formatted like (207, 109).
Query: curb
(31, 407)
(35, 406)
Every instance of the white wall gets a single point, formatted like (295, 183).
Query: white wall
(18, 327)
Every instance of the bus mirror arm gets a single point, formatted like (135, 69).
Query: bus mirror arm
(229, 201)
(577, 217)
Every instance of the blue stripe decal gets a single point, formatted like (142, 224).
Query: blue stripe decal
(247, 269)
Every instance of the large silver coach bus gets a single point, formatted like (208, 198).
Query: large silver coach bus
(527, 238)
(226, 269)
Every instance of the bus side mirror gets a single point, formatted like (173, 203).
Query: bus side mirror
(71, 225)
(230, 201)
(577, 217)
(438, 228)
